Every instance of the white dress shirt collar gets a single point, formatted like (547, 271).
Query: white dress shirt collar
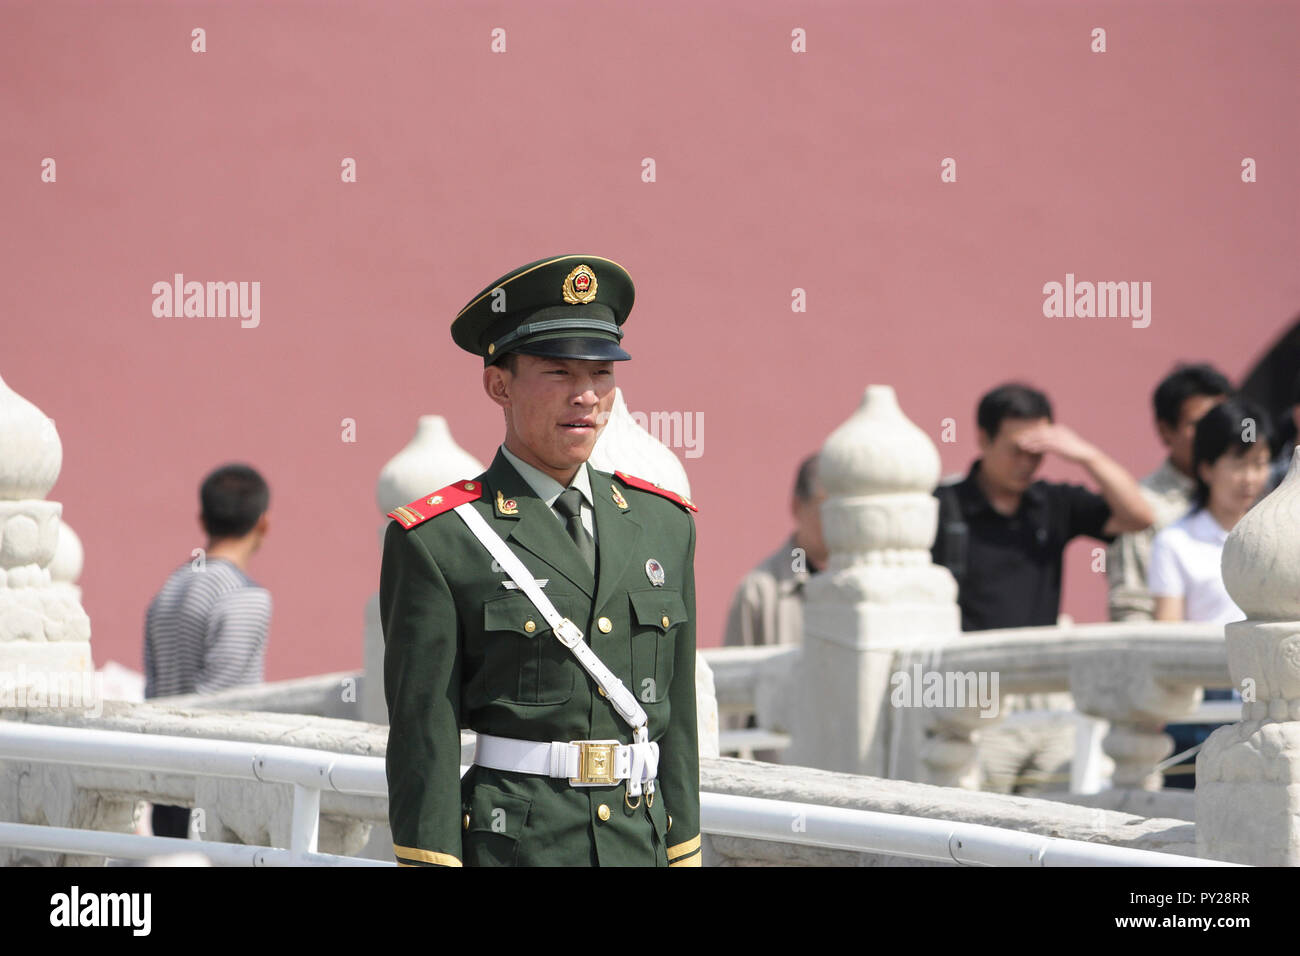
(546, 487)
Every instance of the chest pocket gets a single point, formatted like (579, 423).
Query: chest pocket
(524, 663)
(656, 614)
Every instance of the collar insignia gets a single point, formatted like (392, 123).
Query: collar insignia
(618, 498)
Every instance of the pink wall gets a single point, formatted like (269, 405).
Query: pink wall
(775, 171)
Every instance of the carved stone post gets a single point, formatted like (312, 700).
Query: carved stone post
(879, 594)
(1248, 774)
(43, 629)
(45, 658)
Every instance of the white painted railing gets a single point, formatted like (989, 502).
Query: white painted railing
(920, 838)
(311, 771)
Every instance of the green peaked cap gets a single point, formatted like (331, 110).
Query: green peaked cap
(563, 307)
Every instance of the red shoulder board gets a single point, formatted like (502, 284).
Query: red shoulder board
(444, 499)
(654, 489)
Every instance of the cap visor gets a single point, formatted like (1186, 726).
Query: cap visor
(596, 350)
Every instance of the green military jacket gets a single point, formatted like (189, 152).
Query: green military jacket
(462, 650)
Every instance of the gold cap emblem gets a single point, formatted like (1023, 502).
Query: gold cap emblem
(580, 285)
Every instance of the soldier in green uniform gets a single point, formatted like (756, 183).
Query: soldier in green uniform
(572, 768)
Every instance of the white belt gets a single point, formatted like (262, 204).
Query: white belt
(584, 763)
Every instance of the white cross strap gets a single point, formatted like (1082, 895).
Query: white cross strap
(568, 633)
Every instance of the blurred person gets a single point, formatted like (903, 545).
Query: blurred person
(1230, 460)
(1180, 401)
(207, 628)
(767, 607)
(1003, 536)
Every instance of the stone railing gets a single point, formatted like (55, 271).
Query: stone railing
(322, 695)
(257, 813)
(1137, 677)
(826, 788)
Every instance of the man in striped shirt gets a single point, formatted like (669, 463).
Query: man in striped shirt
(207, 628)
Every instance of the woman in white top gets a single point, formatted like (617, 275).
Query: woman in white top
(1230, 459)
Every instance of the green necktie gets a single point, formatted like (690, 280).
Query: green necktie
(569, 504)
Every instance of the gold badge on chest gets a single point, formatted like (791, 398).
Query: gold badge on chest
(618, 498)
(506, 506)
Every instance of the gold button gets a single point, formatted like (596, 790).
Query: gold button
(529, 626)
(492, 347)
(605, 625)
(602, 811)
(670, 821)
(467, 821)
(469, 486)
(602, 692)
(664, 620)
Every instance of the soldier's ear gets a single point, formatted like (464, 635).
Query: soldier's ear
(496, 384)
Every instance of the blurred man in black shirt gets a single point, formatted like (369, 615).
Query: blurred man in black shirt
(1002, 535)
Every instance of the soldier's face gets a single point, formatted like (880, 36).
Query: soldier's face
(555, 408)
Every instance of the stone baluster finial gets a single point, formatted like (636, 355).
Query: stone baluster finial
(44, 632)
(429, 461)
(879, 592)
(1248, 773)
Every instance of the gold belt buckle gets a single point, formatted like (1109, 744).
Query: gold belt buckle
(595, 762)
